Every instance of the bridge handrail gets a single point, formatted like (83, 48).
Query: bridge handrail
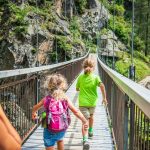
(16, 72)
(139, 95)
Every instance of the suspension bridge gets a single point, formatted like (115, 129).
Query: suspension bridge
(123, 125)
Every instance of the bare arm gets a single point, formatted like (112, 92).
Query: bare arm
(76, 112)
(8, 132)
(36, 108)
(102, 88)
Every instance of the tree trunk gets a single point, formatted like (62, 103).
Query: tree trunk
(58, 5)
(147, 32)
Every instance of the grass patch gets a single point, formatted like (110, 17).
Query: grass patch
(140, 61)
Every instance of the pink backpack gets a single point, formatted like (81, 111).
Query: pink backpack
(57, 114)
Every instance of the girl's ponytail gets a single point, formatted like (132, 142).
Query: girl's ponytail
(87, 70)
(88, 65)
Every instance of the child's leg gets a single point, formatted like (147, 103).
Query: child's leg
(50, 148)
(85, 112)
(91, 121)
(60, 145)
(84, 132)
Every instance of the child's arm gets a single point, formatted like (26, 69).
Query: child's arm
(36, 108)
(76, 112)
(78, 84)
(102, 87)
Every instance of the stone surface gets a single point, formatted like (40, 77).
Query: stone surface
(94, 18)
(110, 42)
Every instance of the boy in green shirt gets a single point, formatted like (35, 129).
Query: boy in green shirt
(87, 84)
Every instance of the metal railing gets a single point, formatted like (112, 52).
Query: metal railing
(18, 97)
(128, 108)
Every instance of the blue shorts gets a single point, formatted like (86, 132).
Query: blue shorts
(51, 138)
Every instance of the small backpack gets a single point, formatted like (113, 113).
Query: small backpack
(57, 114)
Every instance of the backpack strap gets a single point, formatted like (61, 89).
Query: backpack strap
(47, 101)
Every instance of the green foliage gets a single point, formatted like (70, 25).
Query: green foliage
(63, 43)
(2, 2)
(77, 42)
(103, 31)
(122, 28)
(18, 15)
(120, 2)
(119, 9)
(53, 56)
(148, 57)
(105, 3)
(139, 44)
(140, 66)
(33, 50)
(140, 55)
(81, 5)
(75, 27)
(140, 62)
(75, 31)
(20, 30)
(90, 45)
(122, 66)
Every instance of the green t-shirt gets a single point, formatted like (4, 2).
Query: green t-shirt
(87, 85)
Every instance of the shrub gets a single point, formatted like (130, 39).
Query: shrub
(119, 9)
(122, 28)
(141, 56)
(90, 45)
(81, 5)
(105, 3)
(122, 66)
(139, 44)
(63, 43)
(18, 15)
(103, 31)
(75, 27)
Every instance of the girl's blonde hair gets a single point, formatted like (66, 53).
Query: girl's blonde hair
(56, 85)
(88, 65)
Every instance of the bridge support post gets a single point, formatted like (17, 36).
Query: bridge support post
(132, 125)
(37, 93)
(126, 113)
(132, 72)
(132, 111)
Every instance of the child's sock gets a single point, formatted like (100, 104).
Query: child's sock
(90, 130)
(85, 138)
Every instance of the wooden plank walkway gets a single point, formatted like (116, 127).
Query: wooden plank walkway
(102, 139)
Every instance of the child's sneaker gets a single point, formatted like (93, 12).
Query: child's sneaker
(86, 145)
(90, 134)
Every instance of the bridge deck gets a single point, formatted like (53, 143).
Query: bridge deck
(102, 139)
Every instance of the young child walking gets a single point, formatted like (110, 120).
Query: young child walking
(56, 105)
(87, 84)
